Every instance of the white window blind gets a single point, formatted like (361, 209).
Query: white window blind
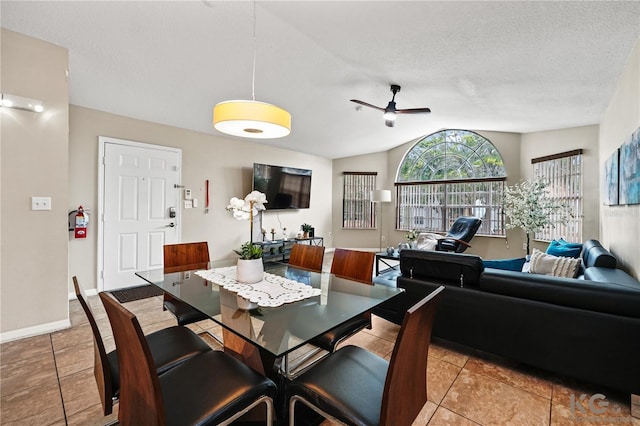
(563, 174)
(357, 209)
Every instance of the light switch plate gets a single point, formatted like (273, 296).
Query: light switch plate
(40, 203)
(187, 194)
(188, 204)
(195, 202)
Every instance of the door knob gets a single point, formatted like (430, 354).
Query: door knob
(171, 225)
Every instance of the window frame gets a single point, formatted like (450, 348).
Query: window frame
(573, 230)
(360, 201)
(491, 206)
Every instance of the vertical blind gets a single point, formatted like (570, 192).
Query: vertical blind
(357, 208)
(563, 174)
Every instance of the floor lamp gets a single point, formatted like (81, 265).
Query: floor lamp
(381, 196)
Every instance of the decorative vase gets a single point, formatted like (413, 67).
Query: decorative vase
(249, 271)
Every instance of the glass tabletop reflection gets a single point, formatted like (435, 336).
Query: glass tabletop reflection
(278, 330)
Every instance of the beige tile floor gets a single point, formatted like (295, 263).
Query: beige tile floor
(48, 379)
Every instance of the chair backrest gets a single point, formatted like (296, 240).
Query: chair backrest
(183, 254)
(307, 256)
(464, 228)
(408, 364)
(352, 264)
(101, 369)
(140, 393)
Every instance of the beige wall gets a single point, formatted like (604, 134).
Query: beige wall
(386, 164)
(540, 144)
(226, 162)
(620, 225)
(34, 157)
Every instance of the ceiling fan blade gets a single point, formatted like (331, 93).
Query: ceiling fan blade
(367, 105)
(414, 111)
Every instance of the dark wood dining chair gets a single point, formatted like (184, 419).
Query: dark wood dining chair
(169, 347)
(179, 257)
(357, 266)
(357, 387)
(307, 257)
(212, 388)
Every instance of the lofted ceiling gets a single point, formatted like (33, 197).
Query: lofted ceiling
(482, 65)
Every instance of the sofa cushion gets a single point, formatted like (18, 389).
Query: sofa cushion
(563, 248)
(582, 294)
(615, 277)
(448, 268)
(558, 266)
(506, 264)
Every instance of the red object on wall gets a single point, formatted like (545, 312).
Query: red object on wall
(81, 224)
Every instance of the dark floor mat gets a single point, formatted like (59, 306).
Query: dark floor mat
(136, 293)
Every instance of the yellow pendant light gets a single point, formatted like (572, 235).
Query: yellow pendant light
(251, 119)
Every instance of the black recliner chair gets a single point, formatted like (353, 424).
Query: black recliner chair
(461, 232)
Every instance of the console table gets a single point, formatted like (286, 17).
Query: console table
(280, 250)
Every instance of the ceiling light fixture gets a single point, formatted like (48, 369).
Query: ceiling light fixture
(20, 102)
(251, 119)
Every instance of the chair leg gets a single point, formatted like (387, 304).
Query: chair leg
(264, 399)
(292, 411)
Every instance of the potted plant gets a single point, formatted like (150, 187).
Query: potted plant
(306, 228)
(250, 268)
(529, 207)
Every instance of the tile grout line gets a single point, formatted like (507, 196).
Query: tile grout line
(448, 390)
(55, 365)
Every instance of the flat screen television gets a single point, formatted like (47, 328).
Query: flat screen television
(285, 187)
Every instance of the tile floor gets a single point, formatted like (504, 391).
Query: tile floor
(48, 379)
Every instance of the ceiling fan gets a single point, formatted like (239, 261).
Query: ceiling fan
(390, 111)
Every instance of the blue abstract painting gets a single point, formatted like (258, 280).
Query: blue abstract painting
(630, 170)
(610, 189)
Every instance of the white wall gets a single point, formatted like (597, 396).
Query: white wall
(226, 162)
(620, 225)
(34, 162)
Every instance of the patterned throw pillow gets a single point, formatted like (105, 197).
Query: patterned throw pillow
(558, 266)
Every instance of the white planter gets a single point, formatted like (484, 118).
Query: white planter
(250, 271)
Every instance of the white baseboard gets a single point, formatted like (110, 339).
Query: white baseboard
(36, 330)
(90, 292)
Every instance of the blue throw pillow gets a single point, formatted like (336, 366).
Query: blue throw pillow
(506, 264)
(563, 248)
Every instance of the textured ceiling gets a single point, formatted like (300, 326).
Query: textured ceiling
(502, 66)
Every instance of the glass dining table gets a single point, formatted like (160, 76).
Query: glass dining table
(263, 336)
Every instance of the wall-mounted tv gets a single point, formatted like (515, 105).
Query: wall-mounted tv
(285, 187)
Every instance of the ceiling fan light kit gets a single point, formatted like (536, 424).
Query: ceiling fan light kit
(390, 112)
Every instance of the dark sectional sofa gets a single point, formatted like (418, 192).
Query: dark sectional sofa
(587, 328)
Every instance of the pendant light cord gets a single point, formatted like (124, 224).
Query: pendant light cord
(255, 50)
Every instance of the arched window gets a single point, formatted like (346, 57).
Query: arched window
(448, 174)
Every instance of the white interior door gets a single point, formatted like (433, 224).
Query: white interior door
(140, 196)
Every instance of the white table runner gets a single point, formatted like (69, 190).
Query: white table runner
(272, 291)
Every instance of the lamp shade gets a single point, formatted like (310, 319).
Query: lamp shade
(381, 196)
(251, 119)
